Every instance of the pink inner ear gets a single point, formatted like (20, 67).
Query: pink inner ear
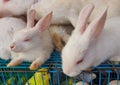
(5, 1)
(35, 22)
(83, 28)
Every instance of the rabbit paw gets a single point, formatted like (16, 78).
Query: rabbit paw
(14, 62)
(34, 66)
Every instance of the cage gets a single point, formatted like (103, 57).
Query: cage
(51, 74)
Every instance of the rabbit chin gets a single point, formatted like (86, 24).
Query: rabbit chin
(73, 74)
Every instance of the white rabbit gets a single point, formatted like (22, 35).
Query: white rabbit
(15, 7)
(114, 82)
(8, 26)
(91, 45)
(33, 43)
(67, 11)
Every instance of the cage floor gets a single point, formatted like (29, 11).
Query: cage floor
(55, 62)
(105, 72)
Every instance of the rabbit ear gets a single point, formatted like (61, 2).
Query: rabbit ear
(44, 22)
(30, 18)
(83, 17)
(96, 27)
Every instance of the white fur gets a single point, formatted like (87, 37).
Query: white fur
(93, 52)
(40, 46)
(8, 26)
(67, 11)
(15, 7)
(62, 10)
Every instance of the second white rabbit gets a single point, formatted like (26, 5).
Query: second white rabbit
(93, 44)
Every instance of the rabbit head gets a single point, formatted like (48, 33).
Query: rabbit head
(75, 51)
(30, 37)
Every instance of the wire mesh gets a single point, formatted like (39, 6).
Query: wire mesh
(21, 75)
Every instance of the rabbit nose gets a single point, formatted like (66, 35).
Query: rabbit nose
(12, 46)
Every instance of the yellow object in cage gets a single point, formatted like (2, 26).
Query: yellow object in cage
(70, 82)
(41, 77)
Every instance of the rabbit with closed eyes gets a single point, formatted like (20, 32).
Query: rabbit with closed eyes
(93, 44)
(8, 26)
(33, 43)
(15, 7)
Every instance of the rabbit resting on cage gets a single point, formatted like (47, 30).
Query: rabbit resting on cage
(9, 26)
(33, 43)
(91, 45)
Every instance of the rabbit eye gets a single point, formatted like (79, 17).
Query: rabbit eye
(27, 39)
(78, 62)
(6, 0)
